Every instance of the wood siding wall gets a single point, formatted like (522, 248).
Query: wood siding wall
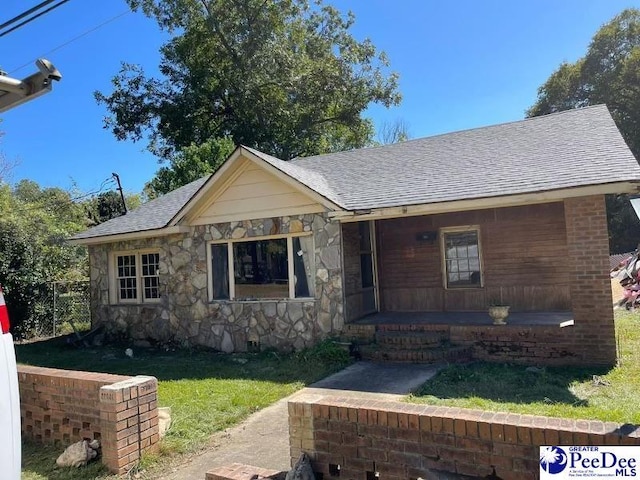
(523, 253)
(256, 193)
(352, 274)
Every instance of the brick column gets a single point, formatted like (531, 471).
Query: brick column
(129, 418)
(301, 426)
(588, 247)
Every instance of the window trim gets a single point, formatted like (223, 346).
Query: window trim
(232, 284)
(443, 254)
(114, 291)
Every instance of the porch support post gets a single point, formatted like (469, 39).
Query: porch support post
(588, 251)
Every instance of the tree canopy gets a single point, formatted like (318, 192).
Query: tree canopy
(34, 226)
(283, 76)
(608, 73)
(34, 252)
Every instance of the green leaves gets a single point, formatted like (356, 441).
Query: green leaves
(193, 162)
(283, 76)
(608, 73)
(34, 226)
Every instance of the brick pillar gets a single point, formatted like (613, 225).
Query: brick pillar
(588, 247)
(129, 420)
(301, 425)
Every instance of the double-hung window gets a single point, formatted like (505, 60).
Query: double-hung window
(136, 278)
(461, 253)
(268, 268)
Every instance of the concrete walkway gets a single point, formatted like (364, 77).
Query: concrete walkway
(263, 439)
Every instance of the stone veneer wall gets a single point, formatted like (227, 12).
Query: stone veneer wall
(184, 313)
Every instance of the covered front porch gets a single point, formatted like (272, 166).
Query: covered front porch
(410, 276)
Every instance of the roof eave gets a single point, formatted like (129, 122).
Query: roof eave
(142, 234)
(486, 202)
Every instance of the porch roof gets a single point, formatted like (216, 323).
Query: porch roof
(575, 148)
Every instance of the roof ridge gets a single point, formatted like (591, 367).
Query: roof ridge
(464, 130)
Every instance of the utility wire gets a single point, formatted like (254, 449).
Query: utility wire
(31, 19)
(26, 13)
(37, 205)
(84, 34)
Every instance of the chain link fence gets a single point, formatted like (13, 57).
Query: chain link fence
(71, 308)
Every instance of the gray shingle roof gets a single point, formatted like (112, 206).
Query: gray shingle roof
(563, 150)
(149, 216)
(616, 259)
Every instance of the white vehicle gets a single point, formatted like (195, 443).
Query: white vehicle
(14, 92)
(10, 448)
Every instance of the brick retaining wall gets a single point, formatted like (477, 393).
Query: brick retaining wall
(520, 344)
(65, 406)
(360, 438)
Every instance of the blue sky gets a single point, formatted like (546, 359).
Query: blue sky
(462, 64)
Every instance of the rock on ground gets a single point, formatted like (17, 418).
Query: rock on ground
(78, 454)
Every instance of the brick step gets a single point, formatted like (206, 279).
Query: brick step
(359, 333)
(433, 355)
(411, 339)
(416, 327)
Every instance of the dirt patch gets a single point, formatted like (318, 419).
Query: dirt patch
(617, 292)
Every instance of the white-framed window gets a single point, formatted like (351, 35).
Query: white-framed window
(462, 264)
(135, 277)
(273, 267)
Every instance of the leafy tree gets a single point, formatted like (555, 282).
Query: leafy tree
(191, 163)
(283, 76)
(108, 205)
(105, 206)
(609, 73)
(34, 226)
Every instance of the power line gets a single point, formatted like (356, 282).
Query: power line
(84, 34)
(37, 205)
(31, 19)
(25, 13)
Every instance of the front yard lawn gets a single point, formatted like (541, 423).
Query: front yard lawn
(207, 391)
(570, 392)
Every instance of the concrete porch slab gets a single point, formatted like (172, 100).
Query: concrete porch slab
(560, 319)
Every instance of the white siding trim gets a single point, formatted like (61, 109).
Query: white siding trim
(232, 271)
(291, 281)
(483, 203)
(232, 287)
(113, 278)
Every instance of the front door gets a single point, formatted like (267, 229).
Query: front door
(368, 268)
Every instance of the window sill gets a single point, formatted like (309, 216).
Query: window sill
(267, 300)
(134, 304)
(470, 287)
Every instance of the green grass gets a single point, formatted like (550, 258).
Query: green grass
(39, 463)
(207, 391)
(569, 392)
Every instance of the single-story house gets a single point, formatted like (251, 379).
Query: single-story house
(268, 253)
